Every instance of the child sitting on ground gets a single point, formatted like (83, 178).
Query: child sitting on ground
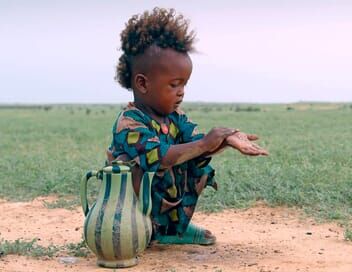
(155, 134)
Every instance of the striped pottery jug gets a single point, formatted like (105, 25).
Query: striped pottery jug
(118, 226)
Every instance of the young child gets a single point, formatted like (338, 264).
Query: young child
(155, 134)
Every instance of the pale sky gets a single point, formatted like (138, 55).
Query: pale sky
(248, 51)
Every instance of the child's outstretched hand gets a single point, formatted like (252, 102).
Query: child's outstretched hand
(243, 143)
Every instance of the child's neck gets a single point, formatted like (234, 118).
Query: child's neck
(152, 113)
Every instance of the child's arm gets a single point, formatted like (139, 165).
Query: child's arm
(214, 142)
(180, 153)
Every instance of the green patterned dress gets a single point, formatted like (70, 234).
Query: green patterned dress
(175, 191)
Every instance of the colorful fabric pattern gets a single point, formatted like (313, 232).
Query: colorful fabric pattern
(175, 191)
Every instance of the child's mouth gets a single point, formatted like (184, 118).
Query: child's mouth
(178, 103)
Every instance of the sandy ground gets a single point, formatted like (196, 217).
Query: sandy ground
(258, 239)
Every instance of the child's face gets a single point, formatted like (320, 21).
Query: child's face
(166, 81)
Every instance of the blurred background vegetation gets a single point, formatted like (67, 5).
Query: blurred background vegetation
(46, 149)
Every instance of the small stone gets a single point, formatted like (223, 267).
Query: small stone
(68, 260)
(309, 233)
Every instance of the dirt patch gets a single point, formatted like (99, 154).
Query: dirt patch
(258, 239)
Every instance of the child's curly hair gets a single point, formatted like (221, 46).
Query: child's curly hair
(161, 27)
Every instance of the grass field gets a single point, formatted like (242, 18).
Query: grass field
(46, 149)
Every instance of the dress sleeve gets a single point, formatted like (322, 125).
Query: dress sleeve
(198, 166)
(141, 144)
(188, 129)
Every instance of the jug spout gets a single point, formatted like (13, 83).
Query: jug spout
(145, 198)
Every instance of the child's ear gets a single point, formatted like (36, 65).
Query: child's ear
(141, 82)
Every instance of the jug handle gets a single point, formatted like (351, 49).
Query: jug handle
(83, 191)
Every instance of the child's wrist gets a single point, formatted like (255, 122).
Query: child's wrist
(202, 145)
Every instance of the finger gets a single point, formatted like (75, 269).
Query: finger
(249, 151)
(252, 137)
(240, 135)
(256, 146)
(254, 151)
(262, 151)
(229, 131)
(233, 130)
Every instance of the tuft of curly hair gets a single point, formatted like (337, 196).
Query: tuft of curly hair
(161, 27)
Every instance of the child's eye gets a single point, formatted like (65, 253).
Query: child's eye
(175, 84)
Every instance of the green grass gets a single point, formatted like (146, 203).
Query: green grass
(31, 248)
(66, 203)
(26, 248)
(77, 250)
(348, 234)
(45, 150)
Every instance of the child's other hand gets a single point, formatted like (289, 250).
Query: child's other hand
(242, 142)
(216, 137)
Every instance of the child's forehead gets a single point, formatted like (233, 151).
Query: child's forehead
(166, 57)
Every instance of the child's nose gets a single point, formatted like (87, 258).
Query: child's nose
(181, 91)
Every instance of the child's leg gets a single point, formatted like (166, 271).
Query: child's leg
(178, 229)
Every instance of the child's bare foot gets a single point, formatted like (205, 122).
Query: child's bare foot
(193, 235)
(209, 235)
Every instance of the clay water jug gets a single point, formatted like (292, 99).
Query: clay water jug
(118, 226)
